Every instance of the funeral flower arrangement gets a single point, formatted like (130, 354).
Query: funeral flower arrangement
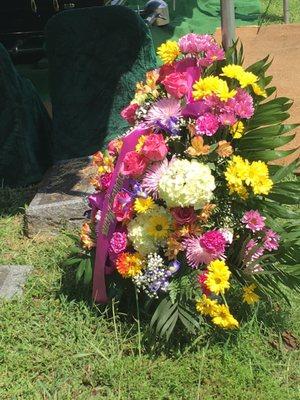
(186, 210)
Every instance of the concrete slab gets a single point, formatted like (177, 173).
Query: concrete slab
(61, 199)
(13, 279)
(282, 43)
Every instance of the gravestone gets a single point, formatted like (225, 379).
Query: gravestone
(61, 199)
(12, 280)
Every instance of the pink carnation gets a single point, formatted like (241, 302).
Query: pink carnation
(155, 148)
(227, 119)
(134, 164)
(193, 43)
(253, 220)
(207, 124)
(122, 206)
(213, 242)
(195, 253)
(176, 84)
(128, 113)
(242, 104)
(271, 240)
(118, 242)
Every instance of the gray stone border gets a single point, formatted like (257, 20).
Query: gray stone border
(15, 277)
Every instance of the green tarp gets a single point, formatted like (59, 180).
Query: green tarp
(25, 129)
(96, 56)
(199, 16)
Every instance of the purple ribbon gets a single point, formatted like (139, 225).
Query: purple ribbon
(107, 223)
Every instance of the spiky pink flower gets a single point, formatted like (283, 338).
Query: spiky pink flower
(152, 177)
(271, 240)
(195, 253)
(253, 220)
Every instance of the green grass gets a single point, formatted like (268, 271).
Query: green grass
(274, 11)
(54, 344)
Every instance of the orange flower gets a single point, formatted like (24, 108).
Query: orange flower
(85, 236)
(129, 265)
(224, 149)
(198, 148)
(98, 158)
(173, 247)
(95, 182)
(192, 129)
(206, 212)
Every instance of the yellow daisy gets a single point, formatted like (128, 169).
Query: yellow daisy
(206, 306)
(223, 318)
(249, 296)
(158, 226)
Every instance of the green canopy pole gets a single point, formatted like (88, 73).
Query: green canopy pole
(227, 23)
(286, 11)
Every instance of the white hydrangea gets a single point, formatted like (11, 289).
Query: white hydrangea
(187, 183)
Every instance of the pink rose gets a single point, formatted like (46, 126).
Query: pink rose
(134, 164)
(128, 113)
(105, 180)
(176, 84)
(184, 215)
(155, 148)
(122, 206)
(164, 71)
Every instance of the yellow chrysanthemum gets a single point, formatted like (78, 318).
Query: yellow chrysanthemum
(140, 143)
(158, 226)
(206, 306)
(212, 84)
(258, 178)
(142, 205)
(247, 78)
(232, 71)
(129, 265)
(258, 90)
(237, 72)
(218, 277)
(237, 130)
(249, 296)
(223, 318)
(168, 51)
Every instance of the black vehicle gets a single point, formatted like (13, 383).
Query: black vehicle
(22, 24)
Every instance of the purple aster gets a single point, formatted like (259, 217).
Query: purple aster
(152, 177)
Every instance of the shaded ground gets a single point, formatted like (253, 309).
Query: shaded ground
(282, 42)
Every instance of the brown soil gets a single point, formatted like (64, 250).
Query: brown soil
(282, 43)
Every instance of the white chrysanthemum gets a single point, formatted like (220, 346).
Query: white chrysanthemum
(141, 227)
(186, 183)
